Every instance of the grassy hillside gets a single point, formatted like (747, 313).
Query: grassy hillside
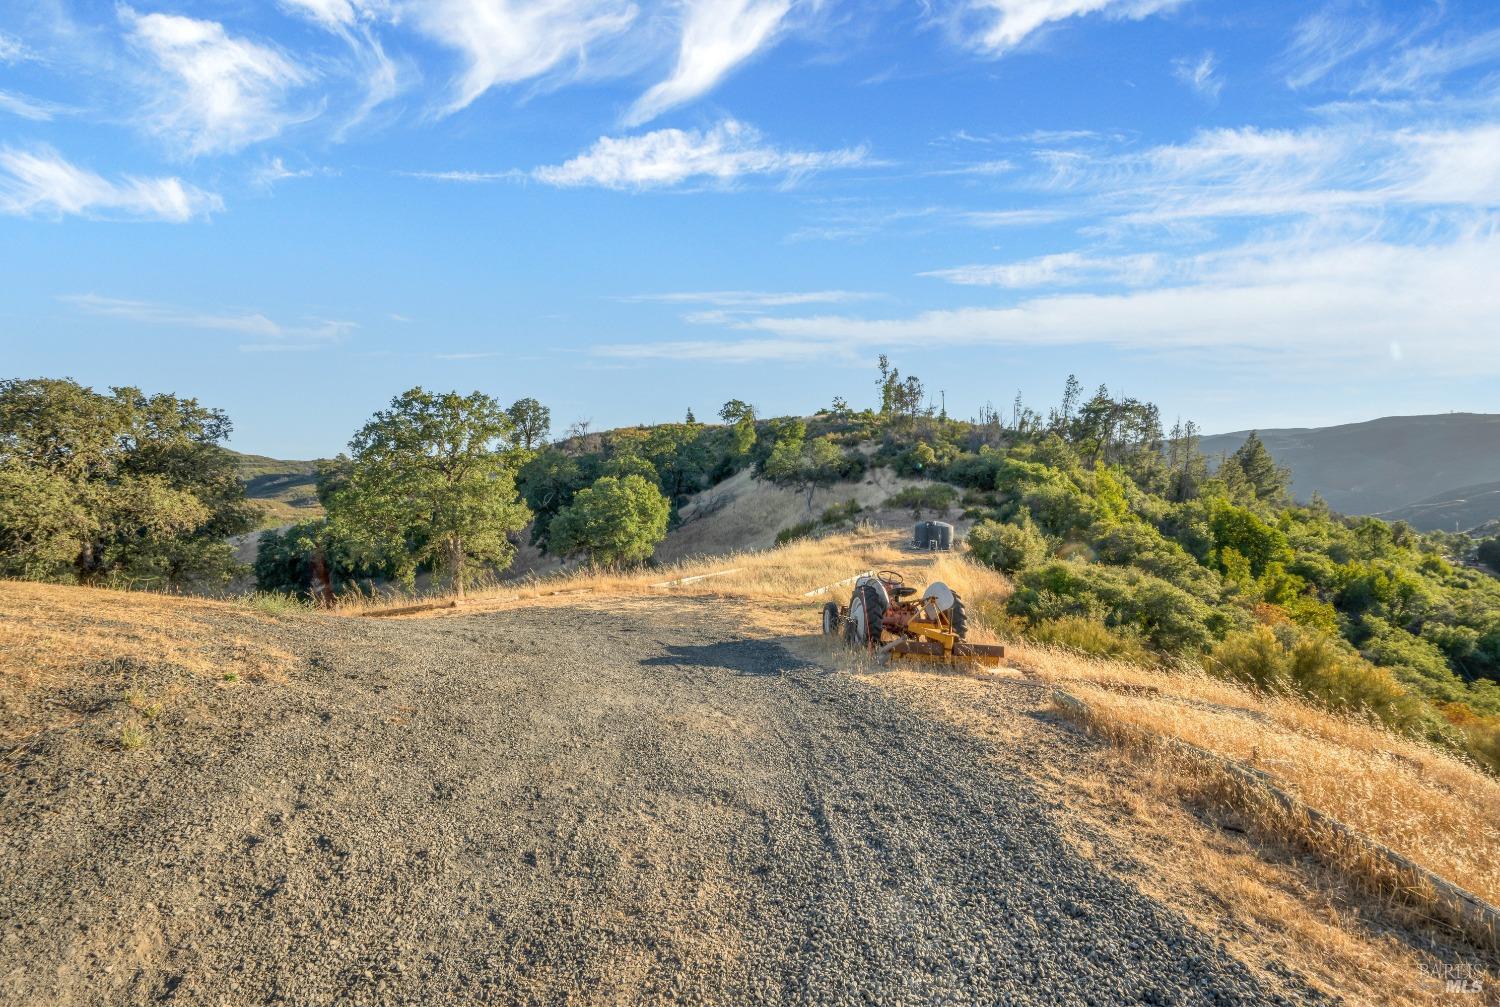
(284, 491)
(1389, 463)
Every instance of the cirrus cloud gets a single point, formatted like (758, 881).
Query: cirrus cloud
(717, 35)
(212, 92)
(41, 182)
(1004, 24)
(668, 157)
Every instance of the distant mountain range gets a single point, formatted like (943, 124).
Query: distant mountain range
(1437, 472)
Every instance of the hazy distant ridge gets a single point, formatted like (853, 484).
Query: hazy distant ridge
(1402, 464)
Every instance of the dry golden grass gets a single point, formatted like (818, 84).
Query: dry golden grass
(1425, 804)
(54, 638)
(1269, 907)
(779, 576)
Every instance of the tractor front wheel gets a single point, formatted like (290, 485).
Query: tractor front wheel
(833, 619)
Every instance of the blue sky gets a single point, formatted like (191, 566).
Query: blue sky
(1255, 214)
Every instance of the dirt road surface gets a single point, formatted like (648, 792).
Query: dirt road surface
(560, 806)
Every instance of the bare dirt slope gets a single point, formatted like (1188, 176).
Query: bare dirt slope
(743, 512)
(557, 805)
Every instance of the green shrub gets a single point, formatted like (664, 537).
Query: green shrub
(1286, 660)
(1489, 553)
(832, 517)
(1061, 510)
(1167, 618)
(274, 603)
(975, 471)
(1238, 530)
(791, 533)
(1135, 543)
(1417, 663)
(1009, 548)
(934, 497)
(1089, 636)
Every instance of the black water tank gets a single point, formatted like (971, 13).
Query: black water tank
(934, 535)
(940, 536)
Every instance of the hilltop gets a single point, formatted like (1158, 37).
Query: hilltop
(1395, 466)
(284, 491)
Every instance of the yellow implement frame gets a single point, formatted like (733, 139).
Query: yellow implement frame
(937, 642)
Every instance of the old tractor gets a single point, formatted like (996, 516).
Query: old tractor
(891, 620)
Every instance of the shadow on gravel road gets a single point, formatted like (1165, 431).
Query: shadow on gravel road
(743, 657)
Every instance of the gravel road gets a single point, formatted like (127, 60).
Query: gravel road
(566, 805)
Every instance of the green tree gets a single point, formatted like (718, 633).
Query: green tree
(615, 522)
(431, 480)
(1488, 553)
(532, 422)
(309, 558)
(123, 488)
(676, 452)
(1187, 468)
(547, 482)
(1267, 480)
(741, 418)
(802, 464)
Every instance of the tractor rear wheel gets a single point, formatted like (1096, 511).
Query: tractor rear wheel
(832, 618)
(958, 617)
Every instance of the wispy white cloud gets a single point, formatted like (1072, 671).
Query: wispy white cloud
(212, 92)
(254, 325)
(40, 181)
(998, 26)
(669, 157)
(12, 50)
(330, 13)
(1011, 218)
(1293, 303)
(756, 298)
(1201, 73)
(351, 20)
(275, 171)
(30, 108)
(999, 166)
(1319, 171)
(508, 41)
(717, 35)
(1324, 41)
(1062, 269)
(469, 177)
(1421, 67)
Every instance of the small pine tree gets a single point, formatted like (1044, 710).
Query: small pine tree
(1267, 480)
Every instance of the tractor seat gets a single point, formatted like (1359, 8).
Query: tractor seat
(901, 591)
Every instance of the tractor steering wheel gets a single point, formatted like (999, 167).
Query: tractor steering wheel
(890, 577)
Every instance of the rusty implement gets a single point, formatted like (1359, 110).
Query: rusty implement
(893, 621)
(987, 654)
